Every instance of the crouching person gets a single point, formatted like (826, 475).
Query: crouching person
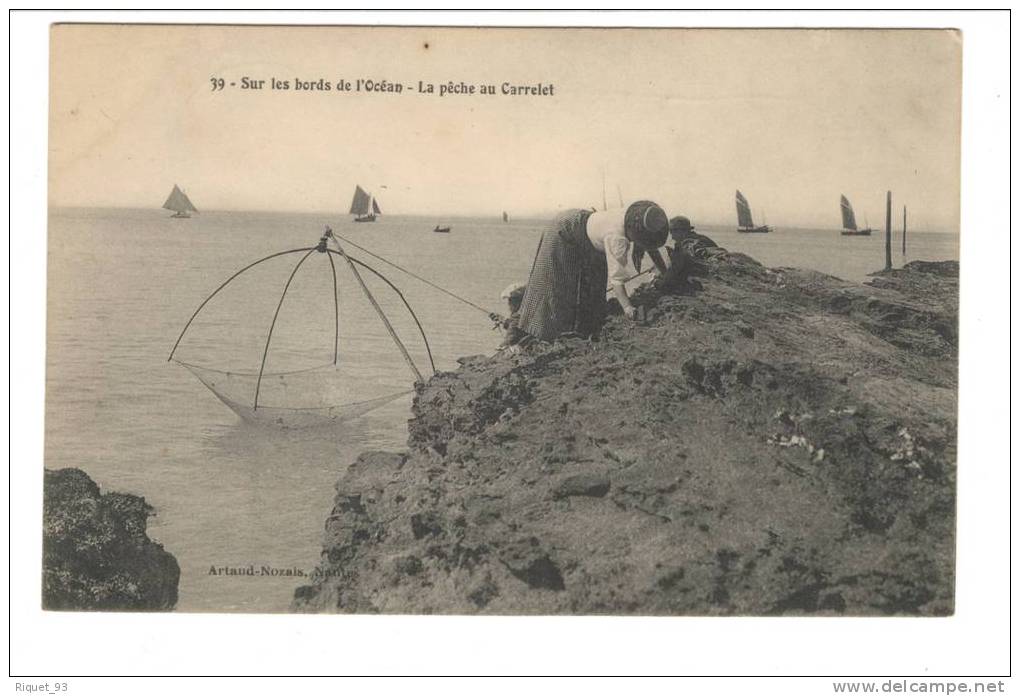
(580, 251)
(512, 335)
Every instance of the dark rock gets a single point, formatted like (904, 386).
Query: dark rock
(528, 562)
(96, 553)
(483, 593)
(408, 565)
(423, 525)
(589, 485)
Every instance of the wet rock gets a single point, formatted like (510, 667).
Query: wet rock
(96, 553)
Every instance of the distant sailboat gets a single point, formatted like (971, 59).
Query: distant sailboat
(506, 218)
(364, 206)
(745, 223)
(179, 202)
(849, 221)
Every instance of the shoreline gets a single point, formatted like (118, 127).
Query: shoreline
(773, 441)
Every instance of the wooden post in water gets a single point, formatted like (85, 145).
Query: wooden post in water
(904, 230)
(888, 230)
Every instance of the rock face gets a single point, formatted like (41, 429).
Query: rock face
(772, 441)
(96, 554)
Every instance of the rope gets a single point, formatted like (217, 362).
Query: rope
(382, 315)
(421, 329)
(415, 276)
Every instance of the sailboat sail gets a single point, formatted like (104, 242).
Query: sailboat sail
(361, 204)
(179, 202)
(743, 212)
(849, 221)
(364, 204)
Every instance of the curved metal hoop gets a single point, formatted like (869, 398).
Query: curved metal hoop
(336, 312)
(225, 284)
(424, 338)
(272, 325)
(336, 301)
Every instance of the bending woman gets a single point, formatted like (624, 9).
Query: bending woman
(579, 253)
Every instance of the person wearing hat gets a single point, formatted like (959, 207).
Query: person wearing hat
(513, 294)
(580, 251)
(689, 247)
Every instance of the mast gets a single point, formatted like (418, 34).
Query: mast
(888, 230)
(619, 194)
(904, 230)
(604, 206)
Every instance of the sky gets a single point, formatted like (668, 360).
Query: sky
(793, 118)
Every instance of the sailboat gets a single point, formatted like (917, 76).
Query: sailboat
(364, 206)
(506, 218)
(849, 221)
(179, 202)
(745, 223)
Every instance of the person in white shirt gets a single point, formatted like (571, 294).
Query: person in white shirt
(580, 251)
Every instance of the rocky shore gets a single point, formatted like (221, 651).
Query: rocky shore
(96, 553)
(771, 441)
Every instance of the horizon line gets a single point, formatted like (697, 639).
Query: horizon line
(540, 215)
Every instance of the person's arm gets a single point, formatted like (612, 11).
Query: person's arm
(659, 262)
(617, 249)
(620, 291)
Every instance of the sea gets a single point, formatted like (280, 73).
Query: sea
(242, 504)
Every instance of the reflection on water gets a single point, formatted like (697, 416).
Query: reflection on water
(267, 493)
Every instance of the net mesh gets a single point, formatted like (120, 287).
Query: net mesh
(370, 369)
(311, 387)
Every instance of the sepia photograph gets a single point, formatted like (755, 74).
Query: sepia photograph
(336, 324)
(502, 321)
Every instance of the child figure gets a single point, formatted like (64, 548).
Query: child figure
(513, 294)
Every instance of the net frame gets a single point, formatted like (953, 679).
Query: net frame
(276, 414)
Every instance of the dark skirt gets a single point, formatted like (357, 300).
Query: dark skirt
(566, 290)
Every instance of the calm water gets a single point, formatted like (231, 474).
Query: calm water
(122, 283)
